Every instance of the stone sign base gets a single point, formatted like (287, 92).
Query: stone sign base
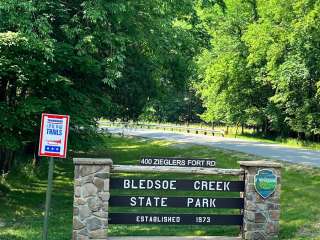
(261, 216)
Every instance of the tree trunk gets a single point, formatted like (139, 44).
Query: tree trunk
(6, 160)
(36, 158)
(237, 130)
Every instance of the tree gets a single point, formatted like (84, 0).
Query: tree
(262, 66)
(88, 59)
(229, 87)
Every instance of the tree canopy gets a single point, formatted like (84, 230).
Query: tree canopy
(262, 66)
(252, 63)
(88, 59)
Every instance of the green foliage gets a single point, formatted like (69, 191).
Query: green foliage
(262, 66)
(22, 214)
(4, 190)
(88, 59)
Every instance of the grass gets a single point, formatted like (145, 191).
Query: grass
(21, 212)
(288, 142)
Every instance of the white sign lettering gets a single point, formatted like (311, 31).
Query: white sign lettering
(149, 184)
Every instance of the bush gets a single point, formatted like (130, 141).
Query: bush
(4, 190)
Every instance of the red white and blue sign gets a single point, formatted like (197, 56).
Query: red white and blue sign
(54, 135)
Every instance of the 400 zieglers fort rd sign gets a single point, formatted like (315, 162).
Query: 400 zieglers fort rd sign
(189, 202)
(177, 162)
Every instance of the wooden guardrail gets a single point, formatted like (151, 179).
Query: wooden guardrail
(204, 131)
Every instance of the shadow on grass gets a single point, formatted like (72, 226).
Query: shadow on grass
(11, 237)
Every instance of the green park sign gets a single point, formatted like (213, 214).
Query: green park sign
(265, 182)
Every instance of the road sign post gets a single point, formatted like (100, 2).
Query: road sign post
(53, 143)
(48, 198)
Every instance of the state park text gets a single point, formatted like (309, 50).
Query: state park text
(161, 201)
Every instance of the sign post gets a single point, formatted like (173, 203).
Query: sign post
(48, 198)
(53, 143)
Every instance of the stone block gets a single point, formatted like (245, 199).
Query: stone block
(273, 227)
(94, 203)
(93, 223)
(101, 214)
(104, 196)
(273, 206)
(75, 211)
(103, 175)
(98, 234)
(77, 224)
(251, 226)
(77, 191)
(79, 201)
(77, 182)
(99, 183)
(106, 185)
(260, 218)
(274, 215)
(83, 232)
(105, 207)
(86, 179)
(88, 189)
(249, 215)
(258, 236)
(84, 212)
(261, 206)
(76, 172)
(250, 206)
(86, 170)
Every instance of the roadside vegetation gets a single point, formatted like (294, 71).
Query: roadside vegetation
(236, 132)
(22, 208)
(244, 64)
(249, 67)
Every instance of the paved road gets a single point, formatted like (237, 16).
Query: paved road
(268, 150)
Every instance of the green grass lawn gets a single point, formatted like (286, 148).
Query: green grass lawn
(21, 212)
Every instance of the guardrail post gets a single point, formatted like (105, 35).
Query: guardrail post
(261, 211)
(91, 198)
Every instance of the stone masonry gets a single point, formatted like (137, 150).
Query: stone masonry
(91, 201)
(261, 216)
(91, 197)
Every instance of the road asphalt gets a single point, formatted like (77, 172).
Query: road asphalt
(267, 150)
